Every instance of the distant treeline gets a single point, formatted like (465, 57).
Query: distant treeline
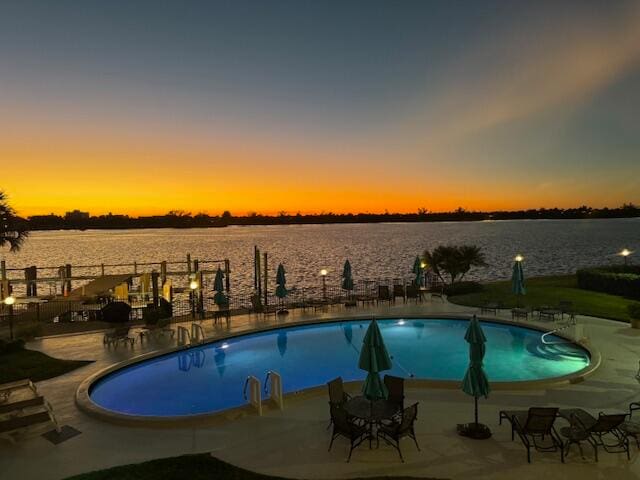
(180, 219)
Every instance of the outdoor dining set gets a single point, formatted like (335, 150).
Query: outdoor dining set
(360, 419)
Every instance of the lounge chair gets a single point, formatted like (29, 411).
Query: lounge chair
(399, 291)
(21, 405)
(395, 385)
(384, 295)
(6, 389)
(603, 431)
(13, 428)
(535, 429)
(337, 396)
(343, 426)
(118, 334)
(394, 432)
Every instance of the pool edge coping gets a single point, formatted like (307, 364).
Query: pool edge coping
(85, 404)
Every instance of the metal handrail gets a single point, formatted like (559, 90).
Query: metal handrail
(266, 382)
(556, 330)
(244, 389)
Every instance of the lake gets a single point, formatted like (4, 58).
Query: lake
(374, 250)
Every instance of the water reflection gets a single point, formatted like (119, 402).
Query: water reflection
(186, 360)
(219, 357)
(282, 342)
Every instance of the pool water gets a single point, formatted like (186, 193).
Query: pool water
(210, 377)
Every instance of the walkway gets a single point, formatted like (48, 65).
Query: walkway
(293, 442)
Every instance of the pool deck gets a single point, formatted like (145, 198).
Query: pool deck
(293, 442)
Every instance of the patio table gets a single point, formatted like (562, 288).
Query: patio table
(371, 412)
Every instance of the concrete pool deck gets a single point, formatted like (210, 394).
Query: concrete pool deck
(293, 442)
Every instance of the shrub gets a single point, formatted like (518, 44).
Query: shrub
(634, 311)
(11, 346)
(462, 288)
(152, 315)
(621, 280)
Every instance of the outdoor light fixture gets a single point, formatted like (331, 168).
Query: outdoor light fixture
(624, 254)
(423, 265)
(224, 345)
(400, 322)
(10, 300)
(193, 285)
(323, 272)
(519, 258)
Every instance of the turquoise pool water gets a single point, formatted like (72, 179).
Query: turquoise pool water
(210, 377)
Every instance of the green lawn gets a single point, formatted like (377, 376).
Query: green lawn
(34, 365)
(549, 291)
(193, 467)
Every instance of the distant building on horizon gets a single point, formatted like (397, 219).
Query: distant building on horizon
(76, 216)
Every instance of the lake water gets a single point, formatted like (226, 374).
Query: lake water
(374, 250)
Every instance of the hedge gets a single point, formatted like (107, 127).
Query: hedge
(462, 288)
(623, 280)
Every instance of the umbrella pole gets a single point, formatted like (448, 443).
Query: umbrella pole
(476, 410)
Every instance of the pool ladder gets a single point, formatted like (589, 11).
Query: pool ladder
(192, 337)
(252, 392)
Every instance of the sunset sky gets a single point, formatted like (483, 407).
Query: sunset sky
(141, 107)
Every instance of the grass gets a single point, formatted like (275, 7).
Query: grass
(194, 467)
(34, 365)
(549, 291)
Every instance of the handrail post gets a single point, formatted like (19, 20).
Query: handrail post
(255, 395)
(184, 338)
(275, 388)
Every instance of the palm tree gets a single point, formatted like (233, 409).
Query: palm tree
(455, 261)
(13, 229)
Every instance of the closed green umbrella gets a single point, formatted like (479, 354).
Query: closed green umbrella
(347, 282)
(347, 279)
(281, 281)
(281, 289)
(418, 270)
(218, 286)
(374, 359)
(475, 382)
(517, 279)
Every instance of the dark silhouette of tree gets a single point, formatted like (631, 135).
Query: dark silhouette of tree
(455, 261)
(13, 229)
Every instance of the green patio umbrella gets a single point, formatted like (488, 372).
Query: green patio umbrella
(218, 286)
(347, 280)
(418, 270)
(475, 382)
(517, 279)
(281, 289)
(374, 359)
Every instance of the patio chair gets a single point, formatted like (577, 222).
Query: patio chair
(13, 428)
(337, 396)
(399, 291)
(384, 295)
(396, 431)
(536, 430)
(437, 291)
(412, 292)
(6, 389)
(21, 405)
(395, 385)
(118, 334)
(343, 426)
(566, 308)
(603, 431)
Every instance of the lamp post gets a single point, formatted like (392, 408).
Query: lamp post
(193, 285)
(519, 258)
(9, 301)
(323, 274)
(625, 254)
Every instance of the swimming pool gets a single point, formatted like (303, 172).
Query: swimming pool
(209, 378)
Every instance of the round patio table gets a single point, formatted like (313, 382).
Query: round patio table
(371, 412)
